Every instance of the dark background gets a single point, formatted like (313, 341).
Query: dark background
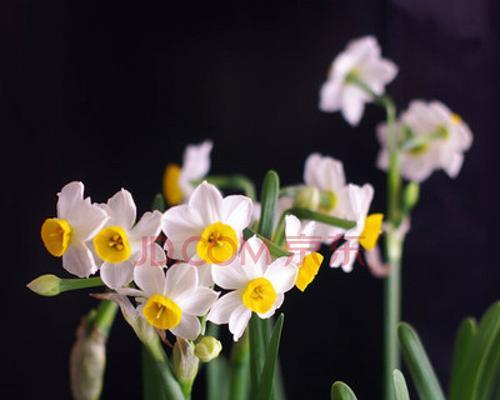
(108, 93)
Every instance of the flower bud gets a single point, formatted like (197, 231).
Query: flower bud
(207, 348)
(185, 363)
(307, 197)
(87, 363)
(411, 195)
(46, 285)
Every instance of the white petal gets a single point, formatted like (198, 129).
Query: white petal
(70, 196)
(207, 201)
(189, 328)
(150, 254)
(344, 257)
(254, 257)
(282, 274)
(237, 212)
(353, 104)
(292, 226)
(148, 228)
(150, 279)
(197, 302)
(231, 276)
(122, 210)
(224, 307)
(330, 96)
(454, 165)
(116, 276)
(195, 164)
(79, 261)
(310, 169)
(238, 321)
(181, 280)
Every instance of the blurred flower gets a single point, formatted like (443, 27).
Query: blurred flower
(366, 232)
(178, 181)
(78, 220)
(207, 348)
(302, 242)
(122, 243)
(256, 284)
(431, 137)
(360, 60)
(207, 230)
(173, 301)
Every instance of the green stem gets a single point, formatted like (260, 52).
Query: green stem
(235, 181)
(239, 370)
(67, 285)
(103, 318)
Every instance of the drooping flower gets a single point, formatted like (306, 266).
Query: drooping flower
(122, 243)
(67, 236)
(208, 230)
(256, 285)
(439, 136)
(361, 60)
(302, 241)
(173, 301)
(366, 232)
(178, 181)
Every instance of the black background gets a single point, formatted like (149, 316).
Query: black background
(109, 92)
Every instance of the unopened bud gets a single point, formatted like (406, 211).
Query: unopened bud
(411, 195)
(185, 362)
(87, 363)
(307, 197)
(46, 285)
(207, 348)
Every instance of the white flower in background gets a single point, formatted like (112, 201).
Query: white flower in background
(445, 137)
(302, 241)
(366, 232)
(122, 243)
(173, 301)
(178, 181)
(208, 230)
(77, 222)
(327, 174)
(361, 59)
(256, 284)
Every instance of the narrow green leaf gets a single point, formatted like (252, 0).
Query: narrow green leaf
(257, 351)
(217, 382)
(158, 203)
(151, 381)
(274, 249)
(240, 370)
(269, 200)
(418, 364)
(340, 391)
(268, 372)
(461, 357)
(400, 387)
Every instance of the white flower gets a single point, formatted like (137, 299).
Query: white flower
(327, 174)
(77, 222)
(208, 230)
(445, 139)
(256, 284)
(366, 232)
(122, 243)
(178, 181)
(302, 241)
(361, 59)
(173, 301)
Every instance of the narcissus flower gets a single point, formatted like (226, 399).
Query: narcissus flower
(366, 232)
(431, 137)
(122, 243)
(67, 236)
(178, 181)
(302, 241)
(256, 284)
(173, 301)
(208, 230)
(361, 60)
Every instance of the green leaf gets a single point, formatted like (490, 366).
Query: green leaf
(151, 381)
(158, 203)
(484, 360)
(418, 364)
(461, 356)
(268, 372)
(400, 387)
(257, 351)
(340, 391)
(269, 200)
(217, 383)
(240, 371)
(274, 249)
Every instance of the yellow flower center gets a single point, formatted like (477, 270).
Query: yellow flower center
(162, 312)
(308, 270)
(455, 118)
(419, 150)
(328, 201)
(56, 235)
(171, 189)
(259, 295)
(372, 231)
(218, 243)
(111, 244)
